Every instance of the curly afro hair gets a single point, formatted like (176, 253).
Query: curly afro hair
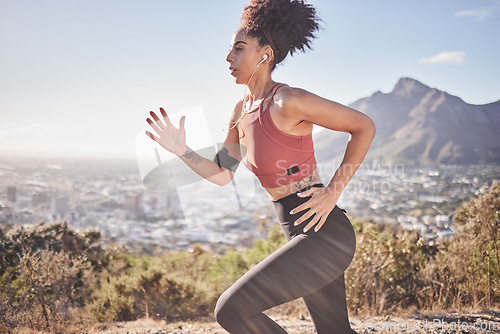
(290, 24)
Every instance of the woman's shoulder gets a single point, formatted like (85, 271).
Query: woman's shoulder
(286, 101)
(287, 95)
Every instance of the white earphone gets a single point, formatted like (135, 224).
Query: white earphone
(264, 58)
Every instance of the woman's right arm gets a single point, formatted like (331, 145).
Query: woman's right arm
(174, 140)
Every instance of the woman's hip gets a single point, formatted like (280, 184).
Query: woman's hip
(336, 230)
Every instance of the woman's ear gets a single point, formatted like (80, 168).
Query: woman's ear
(269, 53)
(271, 56)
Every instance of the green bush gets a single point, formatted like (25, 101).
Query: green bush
(146, 290)
(384, 275)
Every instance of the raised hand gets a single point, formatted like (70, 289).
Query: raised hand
(169, 137)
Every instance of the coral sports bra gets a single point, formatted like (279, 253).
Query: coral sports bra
(277, 158)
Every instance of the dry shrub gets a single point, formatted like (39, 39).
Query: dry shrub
(466, 272)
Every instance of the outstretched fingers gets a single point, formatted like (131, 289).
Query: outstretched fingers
(153, 125)
(165, 117)
(164, 132)
(158, 125)
(163, 113)
(150, 135)
(157, 120)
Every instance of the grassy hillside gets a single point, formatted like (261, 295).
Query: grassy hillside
(52, 277)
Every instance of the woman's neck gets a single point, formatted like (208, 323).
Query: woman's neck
(258, 88)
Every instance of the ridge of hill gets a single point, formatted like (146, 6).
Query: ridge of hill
(420, 125)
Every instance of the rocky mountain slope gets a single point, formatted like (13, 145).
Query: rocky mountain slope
(419, 125)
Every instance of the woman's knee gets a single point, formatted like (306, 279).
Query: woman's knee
(225, 311)
(219, 309)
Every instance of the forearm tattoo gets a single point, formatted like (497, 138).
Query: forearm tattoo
(192, 156)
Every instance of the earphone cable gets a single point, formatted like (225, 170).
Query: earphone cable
(244, 111)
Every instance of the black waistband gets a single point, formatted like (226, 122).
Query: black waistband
(309, 186)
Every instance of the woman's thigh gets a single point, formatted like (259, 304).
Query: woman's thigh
(305, 264)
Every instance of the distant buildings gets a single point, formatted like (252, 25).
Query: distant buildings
(133, 204)
(60, 207)
(89, 195)
(11, 194)
(39, 198)
(172, 202)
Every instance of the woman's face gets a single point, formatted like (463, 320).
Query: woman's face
(243, 57)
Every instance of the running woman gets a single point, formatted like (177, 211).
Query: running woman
(270, 129)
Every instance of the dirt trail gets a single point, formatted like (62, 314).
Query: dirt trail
(487, 322)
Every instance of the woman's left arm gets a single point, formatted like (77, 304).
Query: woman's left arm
(301, 104)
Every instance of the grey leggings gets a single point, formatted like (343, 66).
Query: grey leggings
(310, 265)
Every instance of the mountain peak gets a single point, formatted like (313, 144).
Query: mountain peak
(419, 124)
(410, 87)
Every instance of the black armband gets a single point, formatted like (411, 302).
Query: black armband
(222, 159)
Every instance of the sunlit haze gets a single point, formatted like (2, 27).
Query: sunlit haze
(78, 78)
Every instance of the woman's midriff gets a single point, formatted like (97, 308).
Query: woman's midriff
(282, 191)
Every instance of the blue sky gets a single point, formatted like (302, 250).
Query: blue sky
(78, 78)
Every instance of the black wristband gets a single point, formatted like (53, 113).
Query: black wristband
(222, 159)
